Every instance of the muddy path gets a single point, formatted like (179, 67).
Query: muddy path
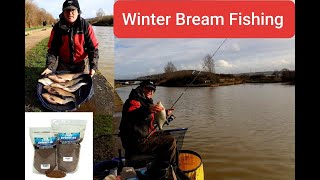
(35, 36)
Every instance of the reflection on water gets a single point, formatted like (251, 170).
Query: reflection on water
(105, 38)
(241, 132)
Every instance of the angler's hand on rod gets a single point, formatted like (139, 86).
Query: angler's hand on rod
(169, 111)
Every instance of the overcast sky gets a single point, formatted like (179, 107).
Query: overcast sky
(140, 57)
(89, 8)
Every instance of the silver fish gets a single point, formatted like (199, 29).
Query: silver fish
(160, 117)
(58, 91)
(45, 81)
(67, 83)
(64, 77)
(74, 87)
(56, 100)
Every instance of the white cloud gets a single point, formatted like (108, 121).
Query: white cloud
(280, 62)
(224, 64)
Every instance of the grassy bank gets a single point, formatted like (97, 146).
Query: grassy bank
(33, 28)
(34, 65)
(106, 143)
(103, 140)
(103, 125)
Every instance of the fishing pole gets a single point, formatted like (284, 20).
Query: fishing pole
(171, 117)
(197, 75)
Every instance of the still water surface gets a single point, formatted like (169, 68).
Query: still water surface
(105, 38)
(242, 131)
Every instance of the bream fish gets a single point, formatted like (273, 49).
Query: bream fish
(67, 83)
(58, 91)
(64, 77)
(56, 100)
(74, 87)
(45, 81)
(160, 117)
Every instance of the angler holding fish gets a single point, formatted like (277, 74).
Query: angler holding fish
(137, 130)
(73, 45)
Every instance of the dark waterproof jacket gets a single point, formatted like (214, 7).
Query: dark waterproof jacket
(137, 121)
(72, 44)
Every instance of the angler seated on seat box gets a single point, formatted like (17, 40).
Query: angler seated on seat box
(137, 131)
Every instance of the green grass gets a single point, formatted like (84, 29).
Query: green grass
(103, 125)
(34, 64)
(33, 28)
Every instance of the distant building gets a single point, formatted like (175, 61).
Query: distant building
(136, 82)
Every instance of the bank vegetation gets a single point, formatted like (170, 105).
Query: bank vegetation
(204, 79)
(207, 77)
(35, 15)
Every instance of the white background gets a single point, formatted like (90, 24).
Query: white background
(84, 169)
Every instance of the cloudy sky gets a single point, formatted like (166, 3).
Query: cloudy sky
(89, 8)
(140, 57)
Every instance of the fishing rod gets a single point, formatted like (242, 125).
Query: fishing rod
(171, 117)
(197, 75)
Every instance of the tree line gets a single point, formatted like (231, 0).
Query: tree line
(209, 75)
(34, 15)
(208, 65)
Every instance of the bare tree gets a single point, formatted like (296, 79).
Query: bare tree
(208, 63)
(29, 15)
(170, 67)
(100, 13)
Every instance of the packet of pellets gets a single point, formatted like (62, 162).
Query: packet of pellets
(44, 141)
(70, 134)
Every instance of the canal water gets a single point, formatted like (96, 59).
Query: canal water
(105, 38)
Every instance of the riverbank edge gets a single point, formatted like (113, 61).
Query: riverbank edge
(107, 145)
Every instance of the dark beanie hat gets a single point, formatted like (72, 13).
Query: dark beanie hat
(149, 84)
(71, 4)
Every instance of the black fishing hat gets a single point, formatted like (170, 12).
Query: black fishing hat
(149, 84)
(71, 4)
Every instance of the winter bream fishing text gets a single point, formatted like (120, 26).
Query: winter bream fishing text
(182, 19)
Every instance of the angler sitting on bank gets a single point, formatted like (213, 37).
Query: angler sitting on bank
(137, 123)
